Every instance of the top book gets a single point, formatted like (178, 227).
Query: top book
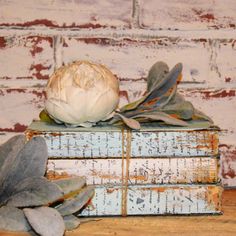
(151, 140)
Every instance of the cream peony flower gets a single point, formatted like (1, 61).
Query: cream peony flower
(81, 94)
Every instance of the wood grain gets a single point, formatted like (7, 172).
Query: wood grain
(182, 225)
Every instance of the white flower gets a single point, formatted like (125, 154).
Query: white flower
(81, 94)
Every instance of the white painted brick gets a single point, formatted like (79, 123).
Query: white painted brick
(62, 13)
(26, 57)
(188, 15)
(202, 58)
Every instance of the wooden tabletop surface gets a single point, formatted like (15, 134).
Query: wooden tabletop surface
(169, 225)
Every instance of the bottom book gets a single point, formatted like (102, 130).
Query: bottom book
(155, 200)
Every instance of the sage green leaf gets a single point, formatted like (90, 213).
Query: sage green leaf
(200, 115)
(71, 184)
(176, 99)
(73, 205)
(29, 162)
(13, 219)
(156, 74)
(161, 116)
(35, 191)
(45, 221)
(183, 110)
(133, 124)
(199, 124)
(135, 104)
(71, 222)
(10, 149)
(164, 87)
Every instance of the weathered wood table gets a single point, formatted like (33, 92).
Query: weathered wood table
(168, 225)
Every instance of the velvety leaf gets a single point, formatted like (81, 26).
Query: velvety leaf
(156, 74)
(71, 222)
(36, 191)
(133, 124)
(166, 84)
(71, 206)
(30, 162)
(200, 115)
(71, 184)
(159, 102)
(135, 104)
(13, 219)
(45, 221)
(10, 149)
(183, 110)
(155, 115)
(199, 124)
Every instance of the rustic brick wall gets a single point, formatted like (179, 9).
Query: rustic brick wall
(37, 36)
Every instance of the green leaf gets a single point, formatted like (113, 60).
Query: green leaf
(166, 85)
(13, 219)
(45, 221)
(133, 105)
(10, 149)
(71, 222)
(200, 115)
(44, 116)
(156, 75)
(73, 205)
(133, 124)
(35, 191)
(71, 184)
(183, 110)
(161, 116)
(30, 161)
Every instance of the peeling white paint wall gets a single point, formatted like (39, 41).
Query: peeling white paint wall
(128, 36)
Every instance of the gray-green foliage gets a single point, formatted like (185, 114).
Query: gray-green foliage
(162, 103)
(23, 186)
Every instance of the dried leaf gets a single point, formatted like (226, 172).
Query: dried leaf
(183, 110)
(36, 191)
(71, 184)
(200, 115)
(156, 74)
(13, 219)
(133, 105)
(161, 116)
(29, 162)
(133, 124)
(71, 206)
(45, 221)
(168, 83)
(71, 222)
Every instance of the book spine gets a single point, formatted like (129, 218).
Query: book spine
(112, 144)
(155, 200)
(140, 170)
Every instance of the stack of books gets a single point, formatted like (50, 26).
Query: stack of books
(153, 171)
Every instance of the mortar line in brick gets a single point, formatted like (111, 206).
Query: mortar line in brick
(57, 54)
(144, 34)
(135, 13)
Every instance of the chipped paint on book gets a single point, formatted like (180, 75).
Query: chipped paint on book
(155, 200)
(107, 142)
(141, 170)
